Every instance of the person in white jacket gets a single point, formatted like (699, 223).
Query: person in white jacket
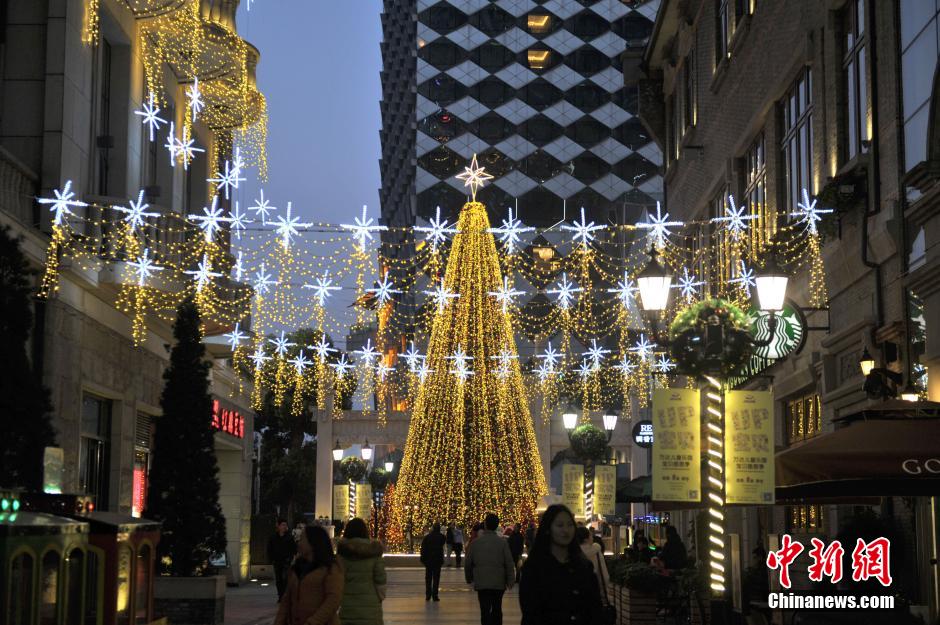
(595, 556)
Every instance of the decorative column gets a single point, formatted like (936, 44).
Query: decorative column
(716, 486)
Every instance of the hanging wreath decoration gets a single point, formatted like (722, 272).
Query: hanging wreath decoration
(353, 468)
(696, 329)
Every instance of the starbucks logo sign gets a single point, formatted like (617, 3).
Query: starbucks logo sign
(788, 336)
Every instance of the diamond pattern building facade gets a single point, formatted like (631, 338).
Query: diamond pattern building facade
(536, 89)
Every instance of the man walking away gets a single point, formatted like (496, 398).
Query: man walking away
(490, 568)
(458, 544)
(529, 536)
(432, 557)
(281, 550)
(516, 543)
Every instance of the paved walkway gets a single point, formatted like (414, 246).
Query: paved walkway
(253, 604)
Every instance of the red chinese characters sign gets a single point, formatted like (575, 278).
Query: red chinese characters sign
(228, 421)
(870, 560)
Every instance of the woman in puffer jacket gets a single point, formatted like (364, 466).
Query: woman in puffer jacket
(364, 592)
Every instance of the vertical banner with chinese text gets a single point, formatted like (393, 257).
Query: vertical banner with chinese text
(364, 501)
(677, 446)
(749, 447)
(605, 489)
(572, 487)
(341, 501)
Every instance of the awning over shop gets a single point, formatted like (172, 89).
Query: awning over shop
(870, 458)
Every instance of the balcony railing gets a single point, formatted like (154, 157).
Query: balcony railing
(18, 190)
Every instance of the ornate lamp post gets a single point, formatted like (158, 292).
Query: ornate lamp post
(711, 347)
(585, 450)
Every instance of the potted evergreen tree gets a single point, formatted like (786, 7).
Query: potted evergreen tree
(184, 485)
(24, 401)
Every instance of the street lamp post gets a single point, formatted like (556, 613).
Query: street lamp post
(654, 284)
(570, 420)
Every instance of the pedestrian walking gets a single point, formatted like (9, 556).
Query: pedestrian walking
(432, 557)
(489, 567)
(361, 559)
(314, 584)
(449, 541)
(529, 537)
(558, 584)
(458, 544)
(281, 550)
(595, 556)
(516, 544)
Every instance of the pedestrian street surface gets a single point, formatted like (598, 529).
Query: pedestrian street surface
(253, 604)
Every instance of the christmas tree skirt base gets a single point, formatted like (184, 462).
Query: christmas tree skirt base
(190, 600)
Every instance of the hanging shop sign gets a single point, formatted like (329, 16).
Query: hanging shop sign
(788, 338)
(676, 472)
(228, 421)
(572, 487)
(749, 447)
(364, 501)
(643, 434)
(605, 489)
(341, 501)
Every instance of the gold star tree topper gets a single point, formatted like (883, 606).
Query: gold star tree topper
(474, 177)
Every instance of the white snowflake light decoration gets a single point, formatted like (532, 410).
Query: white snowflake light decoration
(281, 344)
(442, 295)
(238, 220)
(643, 347)
(565, 291)
(583, 231)
(382, 370)
(550, 356)
(342, 366)
(585, 369)
(287, 227)
(423, 372)
(211, 220)
(300, 363)
(504, 368)
(238, 267)
(363, 228)
(62, 203)
(203, 274)
(658, 226)
(367, 353)
(663, 364)
(474, 177)
(235, 337)
(509, 232)
(383, 290)
(262, 208)
(135, 212)
(437, 232)
(744, 277)
(626, 291)
(196, 103)
(688, 285)
(735, 219)
(144, 267)
(596, 353)
(460, 357)
(505, 294)
(412, 357)
(808, 214)
(227, 179)
(322, 348)
(150, 113)
(322, 288)
(544, 371)
(258, 357)
(625, 367)
(263, 281)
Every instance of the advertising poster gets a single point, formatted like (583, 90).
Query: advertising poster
(605, 490)
(572, 487)
(364, 501)
(749, 447)
(677, 447)
(340, 501)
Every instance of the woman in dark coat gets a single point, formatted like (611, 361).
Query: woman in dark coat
(674, 554)
(558, 584)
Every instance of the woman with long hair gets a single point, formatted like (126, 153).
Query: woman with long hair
(361, 558)
(558, 584)
(314, 584)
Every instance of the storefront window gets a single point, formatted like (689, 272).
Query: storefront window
(918, 61)
(21, 590)
(95, 450)
(797, 145)
(49, 589)
(75, 570)
(803, 418)
(804, 519)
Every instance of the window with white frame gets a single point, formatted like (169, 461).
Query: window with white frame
(855, 78)
(797, 144)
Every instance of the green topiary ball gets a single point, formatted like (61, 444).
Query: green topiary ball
(713, 319)
(589, 442)
(353, 468)
(378, 478)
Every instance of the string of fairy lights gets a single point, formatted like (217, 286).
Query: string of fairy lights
(570, 290)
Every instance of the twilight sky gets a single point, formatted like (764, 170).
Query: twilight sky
(319, 70)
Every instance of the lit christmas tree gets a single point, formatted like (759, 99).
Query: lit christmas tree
(471, 445)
